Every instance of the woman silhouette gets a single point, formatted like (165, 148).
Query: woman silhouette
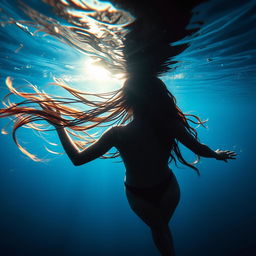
(150, 122)
(146, 144)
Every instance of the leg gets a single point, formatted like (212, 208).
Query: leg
(156, 218)
(163, 240)
(170, 199)
(167, 205)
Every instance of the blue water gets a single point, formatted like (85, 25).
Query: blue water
(54, 208)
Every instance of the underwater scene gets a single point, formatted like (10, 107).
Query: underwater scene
(48, 206)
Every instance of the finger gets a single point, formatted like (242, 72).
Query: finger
(231, 152)
(229, 156)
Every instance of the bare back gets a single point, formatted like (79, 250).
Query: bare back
(145, 159)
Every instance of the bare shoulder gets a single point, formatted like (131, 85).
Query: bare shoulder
(120, 128)
(113, 133)
(115, 129)
(110, 132)
(118, 133)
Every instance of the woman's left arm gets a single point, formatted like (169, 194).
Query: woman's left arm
(97, 149)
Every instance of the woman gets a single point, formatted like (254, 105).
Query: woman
(150, 123)
(145, 145)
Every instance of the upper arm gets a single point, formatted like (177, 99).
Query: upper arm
(182, 134)
(97, 149)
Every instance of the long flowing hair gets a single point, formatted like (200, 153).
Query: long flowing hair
(104, 110)
(123, 44)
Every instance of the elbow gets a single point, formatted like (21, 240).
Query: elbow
(75, 161)
(79, 159)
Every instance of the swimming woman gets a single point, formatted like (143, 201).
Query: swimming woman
(151, 125)
(150, 122)
(146, 144)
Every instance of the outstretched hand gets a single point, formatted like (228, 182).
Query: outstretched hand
(225, 155)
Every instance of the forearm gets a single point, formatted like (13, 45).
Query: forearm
(198, 148)
(205, 151)
(68, 145)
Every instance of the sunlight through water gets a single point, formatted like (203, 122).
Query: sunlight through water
(101, 78)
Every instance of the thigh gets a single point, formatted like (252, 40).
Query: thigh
(147, 211)
(170, 200)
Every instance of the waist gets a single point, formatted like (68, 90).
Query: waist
(152, 184)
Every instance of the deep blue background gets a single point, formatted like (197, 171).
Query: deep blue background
(55, 208)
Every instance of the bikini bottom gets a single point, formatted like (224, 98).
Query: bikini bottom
(152, 194)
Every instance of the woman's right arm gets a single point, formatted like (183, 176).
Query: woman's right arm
(198, 148)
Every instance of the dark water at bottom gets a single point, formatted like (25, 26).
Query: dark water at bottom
(57, 209)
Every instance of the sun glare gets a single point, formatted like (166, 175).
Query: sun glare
(99, 78)
(96, 72)
(90, 76)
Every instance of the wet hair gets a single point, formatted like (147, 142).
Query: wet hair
(140, 95)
